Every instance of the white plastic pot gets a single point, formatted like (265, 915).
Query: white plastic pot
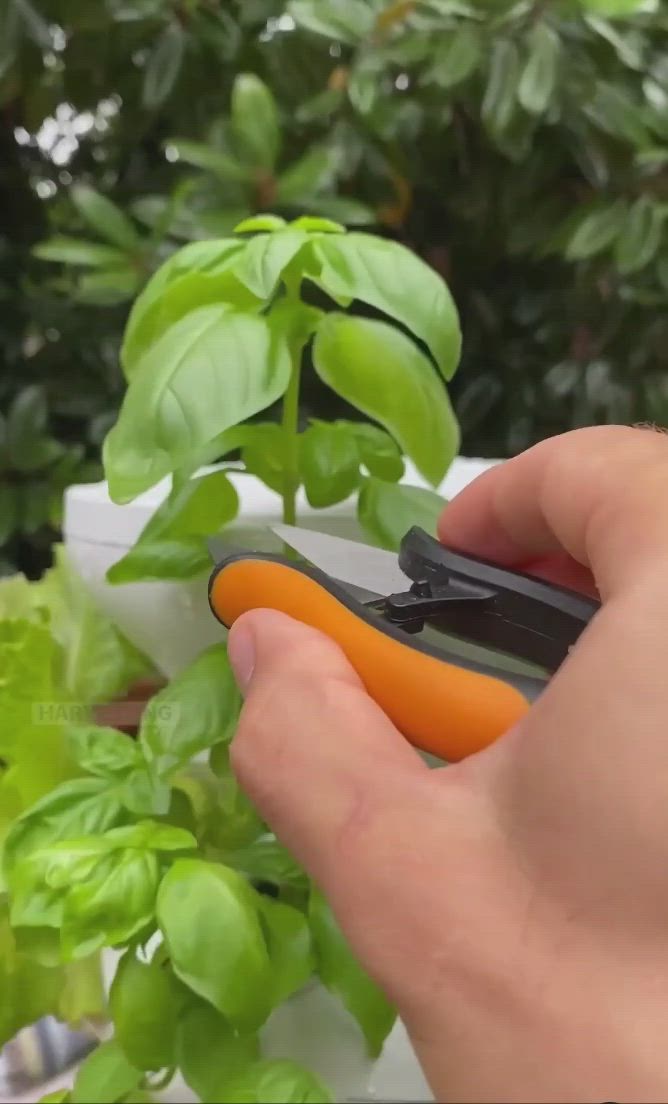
(172, 623)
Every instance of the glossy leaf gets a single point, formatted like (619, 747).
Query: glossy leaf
(172, 545)
(346, 23)
(329, 463)
(380, 371)
(307, 176)
(539, 75)
(105, 217)
(209, 917)
(74, 251)
(105, 1076)
(498, 104)
(36, 25)
(163, 66)
(456, 59)
(394, 280)
(343, 976)
(254, 120)
(641, 235)
(212, 369)
(617, 114)
(212, 160)
(26, 423)
(620, 9)
(192, 713)
(209, 1051)
(144, 1011)
(388, 510)
(596, 231)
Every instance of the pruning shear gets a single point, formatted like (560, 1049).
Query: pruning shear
(454, 649)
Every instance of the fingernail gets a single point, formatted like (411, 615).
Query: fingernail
(241, 651)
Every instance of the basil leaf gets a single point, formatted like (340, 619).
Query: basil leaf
(266, 860)
(290, 947)
(265, 258)
(172, 544)
(208, 372)
(143, 794)
(315, 224)
(260, 222)
(388, 510)
(196, 275)
(380, 371)
(209, 917)
(274, 1082)
(164, 66)
(142, 1002)
(254, 121)
(264, 453)
(394, 280)
(195, 711)
(539, 75)
(329, 461)
(105, 1076)
(175, 559)
(343, 976)
(209, 1051)
(234, 821)
(83, 807)
(106, 218)
(113, 905)
(378, 452)
(105, 752)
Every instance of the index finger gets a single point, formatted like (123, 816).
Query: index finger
(596, 494)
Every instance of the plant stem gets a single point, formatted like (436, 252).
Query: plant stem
(290, 423)
(290, 420)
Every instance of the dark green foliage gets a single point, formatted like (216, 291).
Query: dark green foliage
(521, 148)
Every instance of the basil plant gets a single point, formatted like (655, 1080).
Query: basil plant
(147, 845)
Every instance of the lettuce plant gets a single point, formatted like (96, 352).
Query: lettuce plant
(148, 845)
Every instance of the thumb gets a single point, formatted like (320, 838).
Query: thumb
(395, 847)
(320, 760)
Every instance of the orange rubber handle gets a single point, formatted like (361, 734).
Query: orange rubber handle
(439, 707)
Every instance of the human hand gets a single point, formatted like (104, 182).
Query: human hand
(513, 906)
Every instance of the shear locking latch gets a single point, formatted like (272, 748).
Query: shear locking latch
(505, 610)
